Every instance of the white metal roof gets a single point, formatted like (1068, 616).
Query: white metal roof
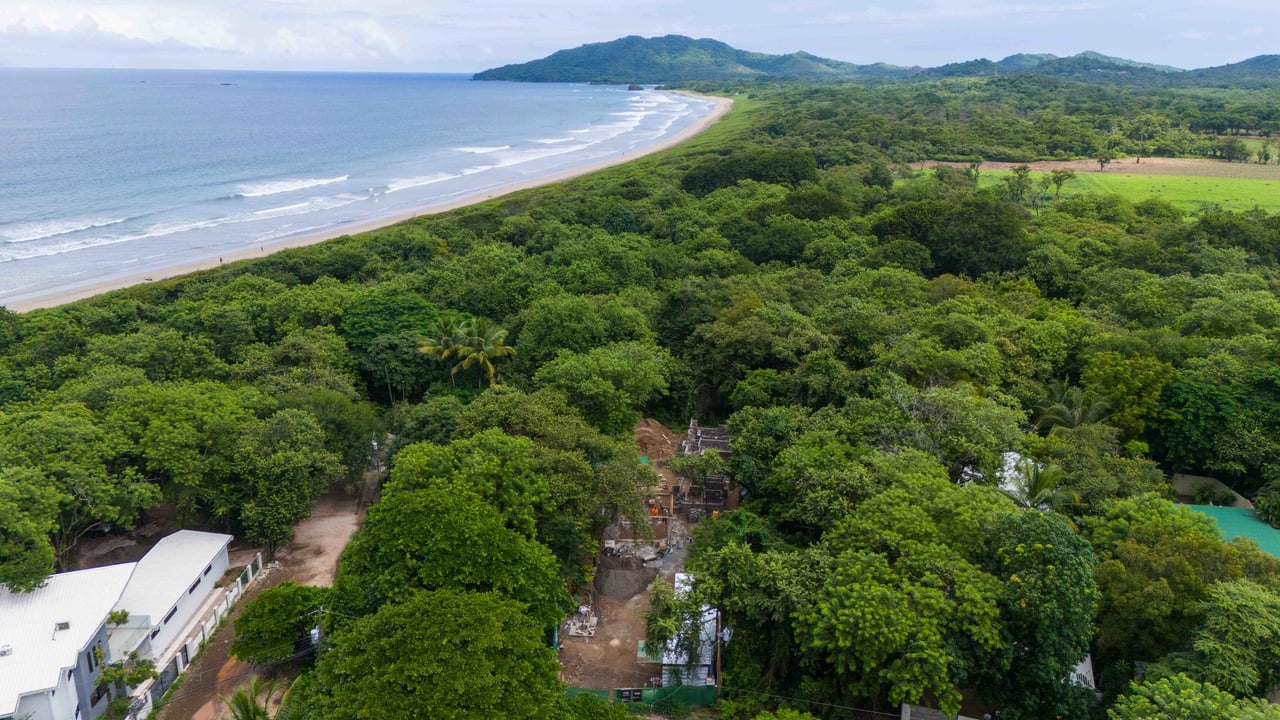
(28, 620)
(673, 654)
(167, 570)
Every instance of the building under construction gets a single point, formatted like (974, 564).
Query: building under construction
(697, 496)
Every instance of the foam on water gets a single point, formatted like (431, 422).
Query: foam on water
(399, 184)
(276, 187)
(27, 232)
(234, 172)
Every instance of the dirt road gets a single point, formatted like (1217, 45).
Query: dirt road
(310, 559)
(1196, 167)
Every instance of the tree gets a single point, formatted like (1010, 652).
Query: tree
(1181, 697)
(252, 702)
(442, 655)
(395, 363)
(884, 634)
(1047, 606)
(483, 344)
(1238, 647)
(79, 459)
(1060, 177)
(906, 610)
(561, 322)
(438, 538)
(609, 383)
(445, 339)
(28, 514)
(1070, 407)
(1156, 564)
(1036, 487)
(1018, 183)
(1143, 129)
(286, 466)
(1104, 156)
(1133, 387)
(276, 624)
(674, 623)
(497, 467)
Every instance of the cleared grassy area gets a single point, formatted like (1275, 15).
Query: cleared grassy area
(1188, 193)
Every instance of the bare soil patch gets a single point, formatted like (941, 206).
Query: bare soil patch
(310, 559)
(1195, 167)
(608, 660)
(656, 441)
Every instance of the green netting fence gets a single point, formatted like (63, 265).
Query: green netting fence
(685, 695)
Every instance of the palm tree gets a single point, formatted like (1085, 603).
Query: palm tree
(1069, 407)
(485, 343)
(447, 338)
(253, 702)
(1036, 487)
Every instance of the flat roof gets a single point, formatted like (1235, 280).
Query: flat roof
(28, 621)
(1236, 522)
(165, 573)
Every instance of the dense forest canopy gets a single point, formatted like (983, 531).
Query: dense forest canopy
(948, 405)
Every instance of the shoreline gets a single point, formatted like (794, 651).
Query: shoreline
(57, 298)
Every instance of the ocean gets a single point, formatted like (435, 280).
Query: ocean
(114, 173)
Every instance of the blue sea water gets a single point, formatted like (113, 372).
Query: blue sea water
(114, 173)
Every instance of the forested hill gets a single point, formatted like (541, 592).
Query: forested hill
(680, 59)
(676, 58)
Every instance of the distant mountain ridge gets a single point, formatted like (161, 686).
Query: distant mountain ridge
(678, 59)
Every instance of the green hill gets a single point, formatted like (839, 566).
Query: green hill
(675, 58)
(680, 59)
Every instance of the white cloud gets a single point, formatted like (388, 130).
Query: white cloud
(467, 35)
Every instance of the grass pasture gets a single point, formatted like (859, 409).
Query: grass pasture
(1189, 193)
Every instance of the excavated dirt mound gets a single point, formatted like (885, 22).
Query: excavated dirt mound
(656, 441)
(623, 578)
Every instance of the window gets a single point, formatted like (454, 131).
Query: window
(88, 658)
(98, 693)
(206, 570)
(154, 633)
(193, 587)
(169, 617)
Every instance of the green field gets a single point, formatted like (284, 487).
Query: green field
(1186, 192)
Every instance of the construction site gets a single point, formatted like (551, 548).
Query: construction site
(599, 644)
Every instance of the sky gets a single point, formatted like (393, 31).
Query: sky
(471, 35)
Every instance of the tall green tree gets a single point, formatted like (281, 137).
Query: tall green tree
(443, 655)
(1048, 601)
(276, 624)
(483, 346)
(439, 538)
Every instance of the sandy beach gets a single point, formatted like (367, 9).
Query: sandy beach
(54, 299)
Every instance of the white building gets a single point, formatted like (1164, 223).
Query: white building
(48, 664)
(676, 667)
(54, 641)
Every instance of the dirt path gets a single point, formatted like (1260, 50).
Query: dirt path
(310, 559)
(1196, 167)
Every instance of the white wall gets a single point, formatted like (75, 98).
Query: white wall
(187, 605)
(59, 705)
